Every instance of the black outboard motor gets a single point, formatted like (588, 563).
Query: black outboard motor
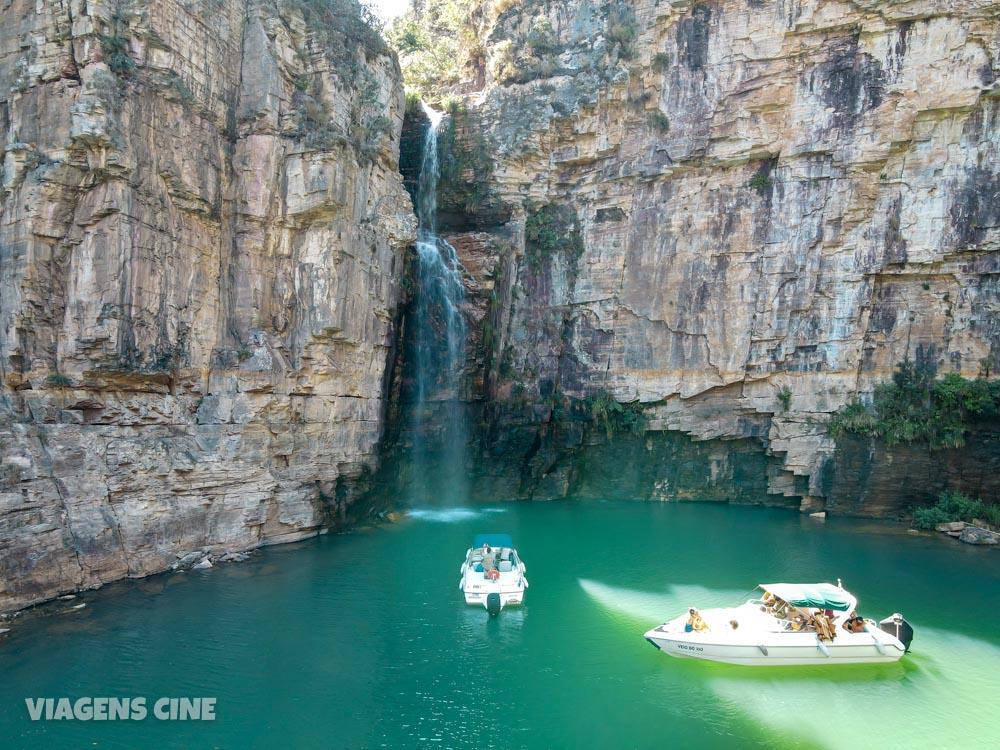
(896, 626)
(493, 604)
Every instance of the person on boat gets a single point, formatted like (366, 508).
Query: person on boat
(781, 608)
(855, 624)
(824, 627)
(695, 622)
(487, 559)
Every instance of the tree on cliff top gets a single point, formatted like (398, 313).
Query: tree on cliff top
(439, 45)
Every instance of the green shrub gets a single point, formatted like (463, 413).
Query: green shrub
(552, 229)
(623, 30)
(541, 39)
(916, 406)
(760, 182)
(115, 50)
(660, 62)
(856, 418)
(615, 416)
(659, 121)
(954, 506)
(58, 380)
(785, 397)
(453, 105)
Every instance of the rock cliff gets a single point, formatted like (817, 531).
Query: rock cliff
(202, 235)
(738, 214)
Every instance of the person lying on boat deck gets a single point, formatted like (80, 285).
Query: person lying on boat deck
(695, 622)
(855, 624)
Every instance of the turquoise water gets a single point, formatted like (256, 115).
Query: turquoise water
(362, 640)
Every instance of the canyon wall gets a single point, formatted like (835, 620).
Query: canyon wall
(739, 215)
(202, 234)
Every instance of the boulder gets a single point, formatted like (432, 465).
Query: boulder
(976, 535)
(951, 526)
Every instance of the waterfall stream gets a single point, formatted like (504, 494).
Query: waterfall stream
(438, 337)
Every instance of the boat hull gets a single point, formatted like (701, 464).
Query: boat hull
(758, 639)
(804, 649)
(480, 598)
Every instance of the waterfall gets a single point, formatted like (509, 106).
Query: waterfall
(438, 338)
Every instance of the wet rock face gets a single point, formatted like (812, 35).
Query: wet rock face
(570, 457)
(865, 478)
(777, 201)
(202, 235)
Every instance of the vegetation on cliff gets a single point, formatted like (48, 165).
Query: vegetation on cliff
(550, 230)
(615, 416)
(917, 406)
(954, 506)
(439, 43)
(350, 34)
(466, 165)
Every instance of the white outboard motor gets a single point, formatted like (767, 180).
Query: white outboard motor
(896, 626)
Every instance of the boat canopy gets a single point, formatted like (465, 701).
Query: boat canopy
(494, 540)
(821, 595)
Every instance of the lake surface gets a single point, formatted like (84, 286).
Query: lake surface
(362, 640)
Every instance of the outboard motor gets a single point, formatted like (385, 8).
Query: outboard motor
(493, 605)
(896, 626)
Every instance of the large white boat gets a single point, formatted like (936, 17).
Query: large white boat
(493, 574)
(791, 623)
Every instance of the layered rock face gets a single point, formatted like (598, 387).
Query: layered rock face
(775, 202)
(202, 233)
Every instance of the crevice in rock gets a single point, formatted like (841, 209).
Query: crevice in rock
(68, 526)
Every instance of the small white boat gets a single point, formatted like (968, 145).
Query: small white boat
(493, 574)
(791, 623)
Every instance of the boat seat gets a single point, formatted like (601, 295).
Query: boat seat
(479, 567)
(505, 566)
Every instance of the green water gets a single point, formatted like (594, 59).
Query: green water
(362, 640)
